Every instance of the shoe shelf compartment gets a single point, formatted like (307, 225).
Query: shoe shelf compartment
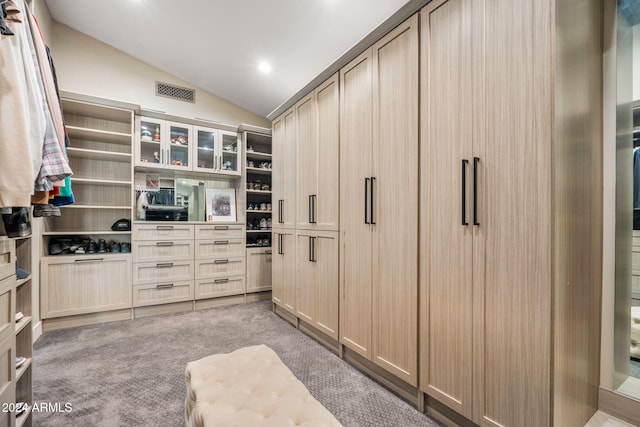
(24, 329)
(258, 175)
(257, 155)
(258, 171)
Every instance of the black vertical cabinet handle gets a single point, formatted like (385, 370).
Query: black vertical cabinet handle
(280, 251)
(476, 160)
(313, 246)
(464, 191)
(314, 197)
(366, 200)
(310, 209)
(372, 207)
(280, 211)
(310, 249)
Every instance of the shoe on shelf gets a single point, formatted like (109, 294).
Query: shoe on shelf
(17, 223)
(81, 250)
(269, 223)
(114, 246)
(125, 247)
(46, 210)
(92, 247)
(102, 246)
(20, 361)
(263, 223)
(268, 206)
(19, 316)
(21, 274)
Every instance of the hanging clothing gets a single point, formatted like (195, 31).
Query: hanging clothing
(4, 28)
(22, 122)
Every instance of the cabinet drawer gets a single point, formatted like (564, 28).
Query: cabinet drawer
(215, 231)
(162, 250)
(220, 247)
(162, 272)
(163, 293)
(222, 267)
(7, 267)
(85, 284)
(258, 269)
(171, 231)
(7, 307)
(220, 287)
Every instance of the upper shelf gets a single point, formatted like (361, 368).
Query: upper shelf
(98, 154)
(259, 171)
(258, 155)
(76, 132)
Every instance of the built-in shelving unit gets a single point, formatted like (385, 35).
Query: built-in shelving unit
(258, 192)
(24, 329)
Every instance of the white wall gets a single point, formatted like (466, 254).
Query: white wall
(43, 15)
(87, 66)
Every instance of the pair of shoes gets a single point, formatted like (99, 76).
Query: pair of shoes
(92, 247)
(60, 246)
(45, 210)
(102, 246)
(125, 247)
(17, 223)
(114, 246)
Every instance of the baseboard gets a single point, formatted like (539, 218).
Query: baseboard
(85, 319)
(619, 405)
(219, 302)
(37, 331)
(445, 415)
(155, 310)
(321, 337)
(259, 296)
(285, 315)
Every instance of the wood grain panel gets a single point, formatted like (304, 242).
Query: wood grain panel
(219, 267)
(328, 153)
(307, 158)
(446, 284)
(355, 165)
(259, 263)
(289, 271)
(277, 271)
(149, 251)
(165, 293)
(277, 174)
(220, 287)
(306, 286)
(288, 164)
(73, 285)
(517, 228)
(395, 242)
(327, 274)
(162, 231)
(219, 231)
(219, 247)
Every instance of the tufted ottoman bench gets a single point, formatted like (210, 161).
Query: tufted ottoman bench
(249, 387)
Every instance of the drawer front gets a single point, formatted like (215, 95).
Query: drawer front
(162, 272)
(215, 231)
(7, 307)
(162, 293)
(222, 267)
(171, 231)
(7, 266)
(85, 284)
(162, 250)
(220, 247)
(220, 287)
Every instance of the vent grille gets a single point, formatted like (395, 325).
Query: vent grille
(175, 92)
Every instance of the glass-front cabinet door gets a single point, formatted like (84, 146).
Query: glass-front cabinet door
(178, 152)
(150, 147)
(229, 163)
(206, 149)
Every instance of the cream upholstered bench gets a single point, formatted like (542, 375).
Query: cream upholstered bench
(249, 387)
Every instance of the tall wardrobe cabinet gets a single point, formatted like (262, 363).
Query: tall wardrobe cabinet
(510, 222)
(379, 202)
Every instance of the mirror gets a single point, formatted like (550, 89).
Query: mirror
(627, 286)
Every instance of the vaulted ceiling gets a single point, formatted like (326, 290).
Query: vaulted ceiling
(219, 44)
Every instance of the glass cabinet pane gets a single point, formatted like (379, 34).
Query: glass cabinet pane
(179, 146)
(150, 142)
(229, 152)
(206, 149)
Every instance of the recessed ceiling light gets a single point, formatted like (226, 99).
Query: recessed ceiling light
(264, 67)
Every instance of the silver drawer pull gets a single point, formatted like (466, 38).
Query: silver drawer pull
(221, 227)
(89, 260)
(221, 280)
(164, 264)
(164, 227)
(221, 242)
(169, 286)
(221, 261)
(164, 244)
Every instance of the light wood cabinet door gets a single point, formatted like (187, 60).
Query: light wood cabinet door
(306, 289)
(446, 283)
(259, 263)
(356, 171)
(7, 307)
(288, 164)
(7, 261)
(307, 163)
(515, 225)
(395, 207)
(85, 284)
(325, 204)
(284, 270)
(326, 278)
(277, 174)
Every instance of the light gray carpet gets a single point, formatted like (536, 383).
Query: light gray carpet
(132, 373)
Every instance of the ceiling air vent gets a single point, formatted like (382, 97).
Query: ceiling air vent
(175, 92)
